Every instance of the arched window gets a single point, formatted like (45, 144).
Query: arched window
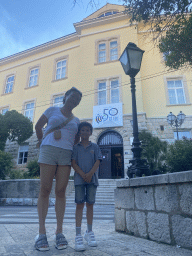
(107, 13)
(110, 138)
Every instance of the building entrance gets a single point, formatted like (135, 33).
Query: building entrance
(112, 165)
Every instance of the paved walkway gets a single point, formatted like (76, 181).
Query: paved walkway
(18, 240)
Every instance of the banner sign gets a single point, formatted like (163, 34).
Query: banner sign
(109, 115)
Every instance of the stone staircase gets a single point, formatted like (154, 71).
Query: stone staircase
(104, 195)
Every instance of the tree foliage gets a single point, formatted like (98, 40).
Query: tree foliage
(179, 157)
(5, 164)
(154, 150)
(171, 22)
(15, 127)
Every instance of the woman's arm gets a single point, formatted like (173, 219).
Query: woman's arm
(39, 126)
(77, 138)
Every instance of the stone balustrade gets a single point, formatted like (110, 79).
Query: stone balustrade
(158, 208)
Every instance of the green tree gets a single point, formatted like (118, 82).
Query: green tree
(15, 127)
(5, 164)
(153, 150)
(179, 157)
(171, 22)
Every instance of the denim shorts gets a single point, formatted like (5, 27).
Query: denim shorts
(54, 156)
(85, 193)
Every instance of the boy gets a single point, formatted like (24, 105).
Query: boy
(85, 161)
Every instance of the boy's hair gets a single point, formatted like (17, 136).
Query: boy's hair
(73, 89)
(83, 124)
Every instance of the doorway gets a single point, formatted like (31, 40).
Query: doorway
(112, 164)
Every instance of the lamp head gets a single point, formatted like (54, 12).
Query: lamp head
(131, 59)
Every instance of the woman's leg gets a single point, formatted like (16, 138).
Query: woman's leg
(62, 177)
(47, 173)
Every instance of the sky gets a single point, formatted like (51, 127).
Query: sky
(28, 23)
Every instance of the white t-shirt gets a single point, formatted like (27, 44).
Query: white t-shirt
(68, 132)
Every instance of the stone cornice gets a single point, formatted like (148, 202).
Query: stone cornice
(84, 24)
(40, 48)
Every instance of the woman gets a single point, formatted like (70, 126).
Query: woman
(55, 160)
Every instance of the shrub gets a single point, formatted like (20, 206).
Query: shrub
(33, 168)
(154, 150)
(17, 174)
(6, 164)
(179, 156)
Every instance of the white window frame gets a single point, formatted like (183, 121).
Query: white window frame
(23, 149)
(62, 66)
(33, 78)
(175, 89)
(25, 110)
(60, 103)
(108, 89)
(111, 80)
(102, 90)
(110, 48)
(104, 51)
(3, 109)
(9, 85)
(104, 14)
(108, 57)
(184, 87)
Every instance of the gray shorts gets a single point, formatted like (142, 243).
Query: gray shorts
(54, 156)
(85, 193)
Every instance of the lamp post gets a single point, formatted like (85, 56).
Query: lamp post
(176, 121)
(131, 62)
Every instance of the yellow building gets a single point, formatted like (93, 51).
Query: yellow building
(37, 78)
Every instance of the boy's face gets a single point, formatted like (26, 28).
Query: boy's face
(85, 132)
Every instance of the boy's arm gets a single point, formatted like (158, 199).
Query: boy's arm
(77, 169)
(92, 171)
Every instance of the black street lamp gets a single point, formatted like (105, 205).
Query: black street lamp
(131, 62)
(176, 121)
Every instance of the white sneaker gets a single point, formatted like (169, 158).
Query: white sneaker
(79, 246)
(90, 238)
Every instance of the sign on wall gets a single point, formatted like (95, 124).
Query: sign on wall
(109, 115)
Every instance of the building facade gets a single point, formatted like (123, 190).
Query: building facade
(35, 79)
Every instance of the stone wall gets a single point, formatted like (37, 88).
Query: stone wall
(26, 192)
(158, 208)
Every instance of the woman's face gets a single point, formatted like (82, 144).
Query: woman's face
(73, 99)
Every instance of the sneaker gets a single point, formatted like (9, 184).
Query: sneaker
(79, 246)
(90, 238)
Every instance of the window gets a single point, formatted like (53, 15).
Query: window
(23, 154)
(107, 14)
(113, 50)
(33, 78)
(102, 53)
(102, 93)
(176, 92)
(58, 101)
(9, 84)
(29, 110)
(114, 88)
(105, 86)
(182, 134)
(61, 69)
(4, 110)
(107, 50)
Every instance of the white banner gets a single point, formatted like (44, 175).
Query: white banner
(109, 115)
